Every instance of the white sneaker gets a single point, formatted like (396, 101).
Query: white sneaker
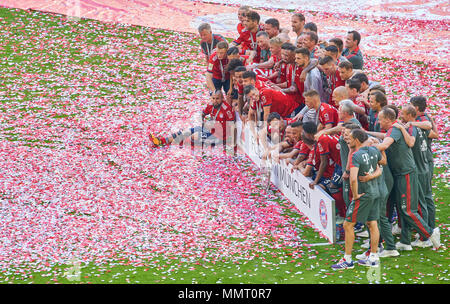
(363, 255)
(396, 229)
(435, 238)
(388, 253)
(401, 246)
(421, 244)
(364, 234)
(370, 262)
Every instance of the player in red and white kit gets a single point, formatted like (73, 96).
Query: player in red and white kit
(250, 78)
(275, 132)
(326, 116)
(242, 11)
(282, 60)
(265, 101)
(324, 164)
(247, 38)
(212, 132)
(217, 76)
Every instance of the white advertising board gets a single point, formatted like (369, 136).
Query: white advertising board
(315, 203)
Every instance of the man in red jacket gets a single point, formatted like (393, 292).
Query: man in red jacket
(217, 76)
(247, 38)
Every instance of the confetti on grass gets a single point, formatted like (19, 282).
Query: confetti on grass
(78, 178)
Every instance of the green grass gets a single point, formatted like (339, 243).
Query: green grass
(275, 266)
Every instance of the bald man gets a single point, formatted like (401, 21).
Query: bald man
(339, 94)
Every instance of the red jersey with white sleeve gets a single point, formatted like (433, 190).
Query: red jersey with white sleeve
(220, 116)
(260, 83)
(314, 160)
(322, 147)
(328, 115)
(278, 102)
(217, 67)
(328, 144)
(248, 40)
(302, 148)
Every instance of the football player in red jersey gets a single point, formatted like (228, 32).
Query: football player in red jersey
(324, 164)
(280, 68)
(290, 155)
(250, 78)
(320, 169)
(266, 101)
(247, 39)
(217, 76)
(235, 95)
(214, 132)
(326, 116)
(241, 17)
(239, 82)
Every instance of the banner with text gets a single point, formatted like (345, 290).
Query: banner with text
(315, 203)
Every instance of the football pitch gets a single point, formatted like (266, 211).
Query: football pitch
(85, 199)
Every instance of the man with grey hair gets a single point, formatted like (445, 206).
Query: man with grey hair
(346, 111)
(208, 40)
(346, 114)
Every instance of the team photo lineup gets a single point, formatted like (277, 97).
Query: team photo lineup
(310, 104)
